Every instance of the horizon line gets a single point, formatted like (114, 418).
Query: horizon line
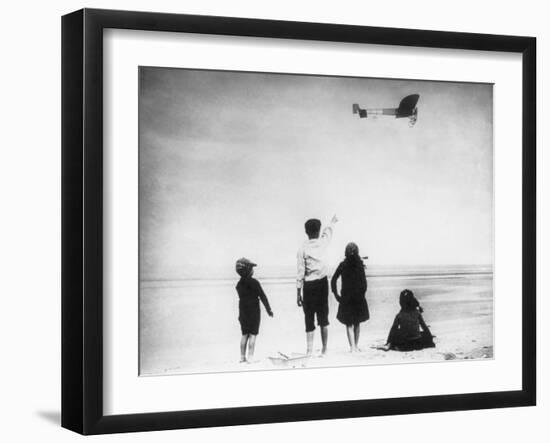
(378, 274)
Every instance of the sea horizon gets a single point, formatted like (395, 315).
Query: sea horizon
(282, 274)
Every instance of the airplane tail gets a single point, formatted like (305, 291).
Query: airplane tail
(357, 110)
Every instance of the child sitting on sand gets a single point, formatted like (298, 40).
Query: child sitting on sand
(406, 334)
(250, 292)
(353, 308)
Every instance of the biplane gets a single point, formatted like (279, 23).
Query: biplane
(406, 109)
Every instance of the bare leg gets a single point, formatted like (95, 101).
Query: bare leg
(324, 338)
(244, 340)
(309, 339)
(251, 346)
(356, 333)
(349, 331)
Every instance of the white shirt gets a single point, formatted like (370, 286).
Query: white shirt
(311, 258)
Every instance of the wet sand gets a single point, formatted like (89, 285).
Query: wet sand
(192, 326)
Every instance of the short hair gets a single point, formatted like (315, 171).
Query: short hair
(313, 226)
(244, 267)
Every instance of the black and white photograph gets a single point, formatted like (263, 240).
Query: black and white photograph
(296, 221)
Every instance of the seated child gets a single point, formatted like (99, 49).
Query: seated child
(409, 331)
(250, 292)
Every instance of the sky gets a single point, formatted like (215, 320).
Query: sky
(232, 164)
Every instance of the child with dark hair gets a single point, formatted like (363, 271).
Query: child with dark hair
(352, 308)
(407, 299)
(409, 331)
(250, 292)
(312, 281)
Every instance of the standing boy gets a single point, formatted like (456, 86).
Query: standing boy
(250, 293)
(312, 282)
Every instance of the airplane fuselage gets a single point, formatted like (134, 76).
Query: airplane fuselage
(407, 108)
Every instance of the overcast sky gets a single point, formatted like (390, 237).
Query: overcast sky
(232, 164)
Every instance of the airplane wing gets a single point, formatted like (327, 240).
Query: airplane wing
(407, 105)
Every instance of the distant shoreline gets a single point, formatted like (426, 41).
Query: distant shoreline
(289, 278)
(373, 271)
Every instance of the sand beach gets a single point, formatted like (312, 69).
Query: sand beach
(191, 326)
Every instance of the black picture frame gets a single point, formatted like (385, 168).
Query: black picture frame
(82, 220)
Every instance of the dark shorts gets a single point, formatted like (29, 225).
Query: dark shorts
(315, 302)
(249, 318)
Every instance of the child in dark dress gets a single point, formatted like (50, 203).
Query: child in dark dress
(353, 308)
(409, 331)
(250, 292)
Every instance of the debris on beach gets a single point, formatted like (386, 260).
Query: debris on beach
(483, 352)
(293, 360)
(474, 354)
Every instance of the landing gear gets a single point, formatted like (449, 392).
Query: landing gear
(413, 118)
